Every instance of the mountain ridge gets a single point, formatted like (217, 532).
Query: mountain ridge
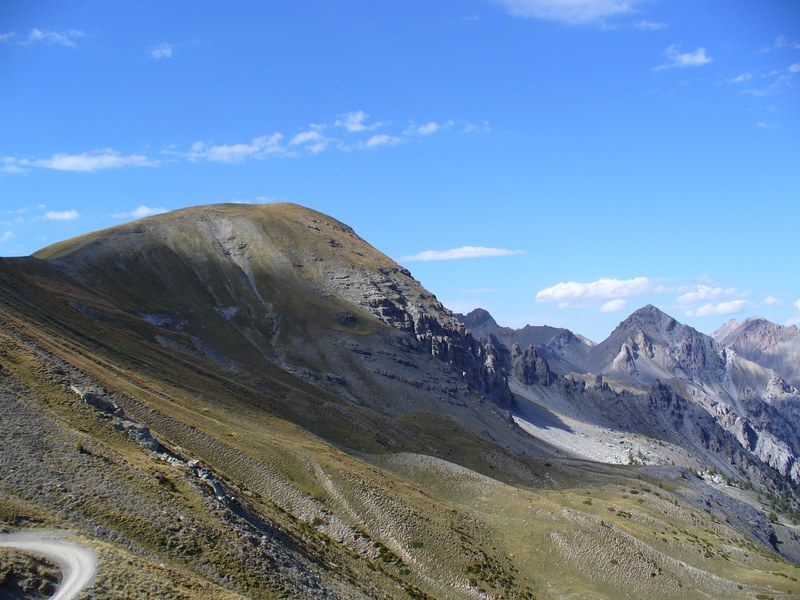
(232, 378)
(650, 347)
(772, 346)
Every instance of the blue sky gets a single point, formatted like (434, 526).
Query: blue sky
(555, 162)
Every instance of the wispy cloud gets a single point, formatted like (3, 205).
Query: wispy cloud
(782, 42)
(572, 293)
(85, 162)
(258, 148)
(771, 301)
(306, 137)
(43, 36)
(676, 59)
(459, 253)
(382, 139)
(61, 215)
(5, 236)
(570, 12)
(646, 25)
(89, 162)
(356, 121)
(731, 300)
(467, 127)
(614, 305)
(161, 51)
(769, 82)
(428, 128)
(11, 164)
(797, 304)
(140, 212)
(721, 308)
(741, 78)
(312, 139)
(702, 293)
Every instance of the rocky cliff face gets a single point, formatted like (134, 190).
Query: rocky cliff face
(529, 367)
(772, 346)
(563, 350)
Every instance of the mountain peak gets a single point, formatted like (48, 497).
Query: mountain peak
(650, 345)
(651, 312)
(646, 318)
(477, 319)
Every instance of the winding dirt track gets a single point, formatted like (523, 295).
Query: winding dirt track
(78, 564)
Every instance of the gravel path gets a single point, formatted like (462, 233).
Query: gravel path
(78, 564)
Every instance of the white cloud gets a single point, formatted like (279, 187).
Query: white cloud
(613, 305)
(606, 288)
(312, 141)
(140, 212)
(428, 128)
(679, 60)
(42, 36)
(356, 121)
(782, 42)
(467, 127)
(771, 301)
(771, 83)
(646, 25)
(88, 162)
(5, 236)
(382, 140)
(463, 252)
(570, 12)
(722, 308)
(258, 148)
(797, 304)
(741, 78)
(762, 125)
(794, 68)
(163, 50)
(61, 215)
(305, 137)
(702, 293)
(10, 164)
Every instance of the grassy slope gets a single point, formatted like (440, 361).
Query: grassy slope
(342, 494)
(590, 540)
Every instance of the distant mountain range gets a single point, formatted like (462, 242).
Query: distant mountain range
(238, 401)
(750, 401)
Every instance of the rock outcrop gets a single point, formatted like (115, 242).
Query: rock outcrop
(529, 367)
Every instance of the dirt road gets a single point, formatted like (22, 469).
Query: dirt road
(78, 564)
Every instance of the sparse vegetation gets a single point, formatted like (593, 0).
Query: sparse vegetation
(320, 493)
